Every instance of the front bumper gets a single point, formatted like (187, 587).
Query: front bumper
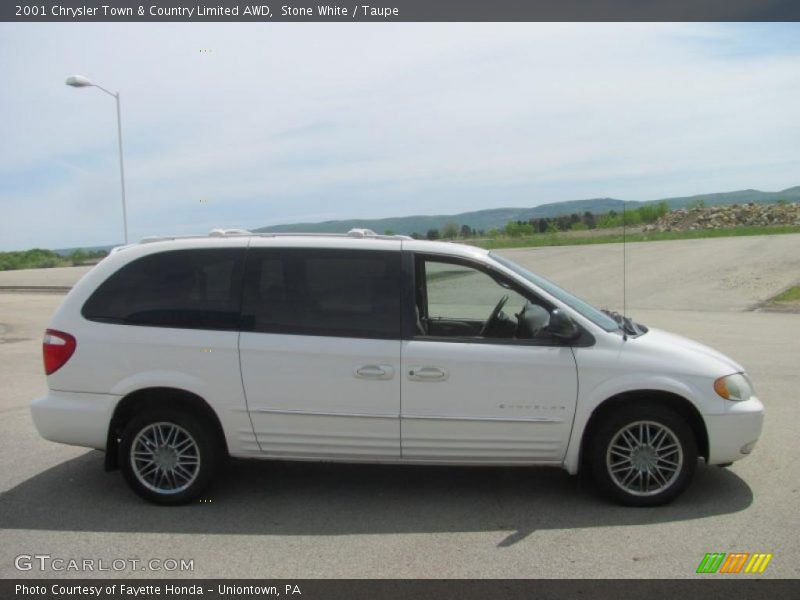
(74, 418)
(733, 434)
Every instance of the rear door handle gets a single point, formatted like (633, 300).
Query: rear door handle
(427, 374)
(374, 372)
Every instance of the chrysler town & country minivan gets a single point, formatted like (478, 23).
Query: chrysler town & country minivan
(175, 353)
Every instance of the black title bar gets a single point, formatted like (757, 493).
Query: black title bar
(405, 589)
(399, 10)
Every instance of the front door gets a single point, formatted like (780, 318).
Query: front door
(320, 350)
(477, 389)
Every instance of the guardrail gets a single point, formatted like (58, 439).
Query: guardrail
(51, 289)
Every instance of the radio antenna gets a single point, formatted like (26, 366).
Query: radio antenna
(624, 263)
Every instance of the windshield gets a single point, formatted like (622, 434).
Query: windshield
(587, 310)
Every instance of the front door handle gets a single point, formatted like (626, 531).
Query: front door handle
(374, 372)
(427, 374)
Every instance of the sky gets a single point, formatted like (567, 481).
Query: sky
(248, 125)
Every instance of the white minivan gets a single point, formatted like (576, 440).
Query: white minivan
(175, 353)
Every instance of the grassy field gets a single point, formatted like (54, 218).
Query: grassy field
(570, 239)
(791, 296)
(785, 302)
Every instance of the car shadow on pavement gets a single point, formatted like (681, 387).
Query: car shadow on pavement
(296, 498)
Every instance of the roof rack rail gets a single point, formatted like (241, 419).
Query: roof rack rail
(228, 232)
(353, 233)
(166, 238)
(368, 233)
(220, 233)
(361, 233)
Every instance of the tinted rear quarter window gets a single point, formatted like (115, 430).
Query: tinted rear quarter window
(347, 293)
(193, 289)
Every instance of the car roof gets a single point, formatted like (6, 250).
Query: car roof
(363, 239)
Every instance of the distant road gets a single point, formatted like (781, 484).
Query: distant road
(60, 277)
(712, 274)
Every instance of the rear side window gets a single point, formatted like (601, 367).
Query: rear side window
(347, 293)
(187, 289)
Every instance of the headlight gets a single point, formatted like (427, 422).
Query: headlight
(734, 387)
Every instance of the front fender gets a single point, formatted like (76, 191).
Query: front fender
(591, 397)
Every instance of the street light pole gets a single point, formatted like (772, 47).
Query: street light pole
(80, 81)
(121, 170)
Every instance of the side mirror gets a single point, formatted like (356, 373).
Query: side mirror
(562, 327)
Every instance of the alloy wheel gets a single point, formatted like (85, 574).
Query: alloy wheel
(644, 458)
(165, 458)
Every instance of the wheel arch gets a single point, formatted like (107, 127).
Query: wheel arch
(157, 397)
(676, 402)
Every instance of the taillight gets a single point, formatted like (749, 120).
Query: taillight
(57, 347)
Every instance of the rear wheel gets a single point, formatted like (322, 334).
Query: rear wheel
(643, 455)
(168, 456)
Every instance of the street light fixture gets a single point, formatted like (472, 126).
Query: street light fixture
(80, 81)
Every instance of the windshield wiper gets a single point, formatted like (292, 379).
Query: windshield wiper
(625, 323)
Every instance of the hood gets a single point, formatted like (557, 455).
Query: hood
(685, 350)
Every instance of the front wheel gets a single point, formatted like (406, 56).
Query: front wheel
(643, 455)
(168, 456)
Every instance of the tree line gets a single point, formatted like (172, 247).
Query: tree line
(41, 259)
(641, 215)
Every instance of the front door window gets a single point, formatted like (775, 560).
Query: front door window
(457, 300)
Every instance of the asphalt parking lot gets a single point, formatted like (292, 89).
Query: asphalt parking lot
(291, 520)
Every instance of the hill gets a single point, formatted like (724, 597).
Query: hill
(498, 217)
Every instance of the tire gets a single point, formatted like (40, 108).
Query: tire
(643, 455)
(176, 469)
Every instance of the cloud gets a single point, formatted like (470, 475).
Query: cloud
(320, 121)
